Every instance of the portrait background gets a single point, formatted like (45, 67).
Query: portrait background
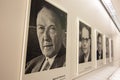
(33, 48)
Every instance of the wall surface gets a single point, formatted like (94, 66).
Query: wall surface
(12, 24)
(116, 5)
(12, 20)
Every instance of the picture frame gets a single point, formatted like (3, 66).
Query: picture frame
(99, 49)
(110, 49)
(83, 66)
(107, 47)
(112, 52)
(31, 43)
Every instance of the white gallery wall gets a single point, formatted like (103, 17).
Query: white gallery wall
(12, 25)
(116, 6)
(12, 20)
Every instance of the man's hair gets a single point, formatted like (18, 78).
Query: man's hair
(99, 35)
(60, 14)
(36, 7)
(81, 26)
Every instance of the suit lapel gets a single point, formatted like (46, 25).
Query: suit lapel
(39, 64)
(59, 61)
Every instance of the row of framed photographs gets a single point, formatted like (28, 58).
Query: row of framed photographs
(94, 49)
(45, 47)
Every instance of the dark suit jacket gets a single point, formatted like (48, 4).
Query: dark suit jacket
(99, 55)
(38, 62)
(81, 58)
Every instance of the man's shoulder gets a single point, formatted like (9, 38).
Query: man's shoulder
(59, 61)
(61, 57)
(81, 57)
(36, 59)
(81, 54)
(32, 63)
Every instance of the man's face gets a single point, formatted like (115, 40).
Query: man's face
(85, 43)
(99, 43)
(49, 32)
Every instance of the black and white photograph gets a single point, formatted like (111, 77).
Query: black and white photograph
(107, 47)
(84, 39)
(112, 54)
(84, 43)
(46, 44)
(112, 48)
(99, 51)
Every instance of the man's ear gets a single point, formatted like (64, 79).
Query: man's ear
(64, 39)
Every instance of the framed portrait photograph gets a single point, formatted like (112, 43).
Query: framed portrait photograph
(85, 43)
(107, 50)
(85, 47)
(99, 48)
(112, 54)
(45, 42)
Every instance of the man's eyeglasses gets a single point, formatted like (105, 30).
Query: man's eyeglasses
(85, 39)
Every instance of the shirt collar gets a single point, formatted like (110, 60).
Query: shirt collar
(86, 57)
(51, 59)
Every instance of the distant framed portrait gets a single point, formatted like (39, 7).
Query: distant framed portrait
(112, 49)
(107, 48)
(85, 56)
(108, 52)
(85, 43)
(45, 41)
(99, 51)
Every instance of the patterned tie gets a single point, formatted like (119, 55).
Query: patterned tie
(47, 65)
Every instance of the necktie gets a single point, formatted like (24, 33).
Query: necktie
(47, 65)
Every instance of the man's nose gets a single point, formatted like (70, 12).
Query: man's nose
(84, 43)
(46, 36)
